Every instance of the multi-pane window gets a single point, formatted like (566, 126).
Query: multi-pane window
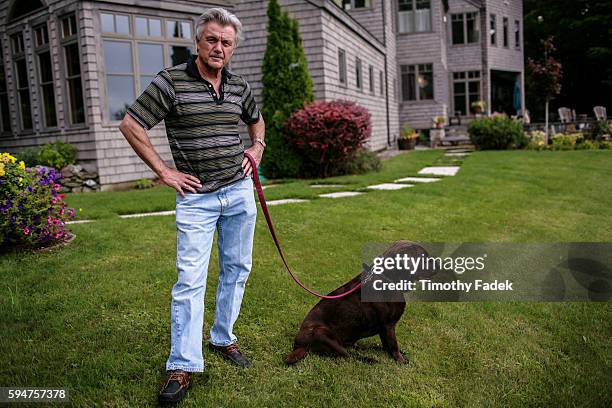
(21, 81)
(5, 116)
(465, 28)
(45, 76)
(136, 48)
(506, 41)
(341, 66)
(72, 69)
(517, 34)
(371, 78)
(381, 84)
(414, 16)
(178, 29)
(466, 90)
(148, 27)
(493, 29)
(358, 74)
(354, 4)
(417, 82)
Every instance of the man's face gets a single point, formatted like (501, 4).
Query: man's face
(216, 45)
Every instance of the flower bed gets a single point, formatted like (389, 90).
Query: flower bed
(34, 213)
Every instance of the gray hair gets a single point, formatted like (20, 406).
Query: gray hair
(220, 16)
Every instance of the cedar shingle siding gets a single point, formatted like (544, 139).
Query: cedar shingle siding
(369, 34)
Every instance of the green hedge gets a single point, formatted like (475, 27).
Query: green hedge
(497, 133)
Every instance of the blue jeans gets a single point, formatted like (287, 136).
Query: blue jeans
(231, 211)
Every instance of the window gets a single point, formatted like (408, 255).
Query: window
(414, 16)
(493, 28)
(341, 66)
(45, 76)
(466, 90)
(119, 77)
(358, 74)
(380, 80)
(148, 27)
(135, 49)
(5, 115)
(353, 4)
(465, 28)
(21, 82)
(517, 34)
(115, 23)
(72, 69)
(417, 82)
(178, 29)
(506, 41)
(371, 78)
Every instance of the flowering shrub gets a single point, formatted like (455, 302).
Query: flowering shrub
(328, 134)
(33, 212)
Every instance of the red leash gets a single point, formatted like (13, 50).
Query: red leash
(264, 208)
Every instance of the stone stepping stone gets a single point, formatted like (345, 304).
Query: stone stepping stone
(389, 186)
(151, 214)
(417, 180)
(269, 186)
(286, 201)
(340, 194)
(459, 151)
(457, 154)
(79, 221)
(440, 171)
(325, 185)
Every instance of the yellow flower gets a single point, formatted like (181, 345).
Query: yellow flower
(2, 172)
(20, 179)
(5, 157)
(22, 165)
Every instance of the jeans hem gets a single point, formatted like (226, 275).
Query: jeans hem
(223, 345)
(189, 369)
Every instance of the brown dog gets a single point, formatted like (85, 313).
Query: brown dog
(333, 325)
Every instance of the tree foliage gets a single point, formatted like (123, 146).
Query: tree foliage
(287, 87)
(583, 38)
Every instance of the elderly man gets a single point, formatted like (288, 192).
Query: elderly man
(202, 103)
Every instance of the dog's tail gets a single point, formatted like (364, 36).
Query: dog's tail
(296, 355)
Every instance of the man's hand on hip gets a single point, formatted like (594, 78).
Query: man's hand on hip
(257, 152)
(181, 182)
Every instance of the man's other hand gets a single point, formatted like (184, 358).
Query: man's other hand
(257, 152)
(181, 182)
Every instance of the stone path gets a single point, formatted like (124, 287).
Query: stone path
(417, 180)
(389, 186)
(340, 194)
(398, 184)
(440, 171)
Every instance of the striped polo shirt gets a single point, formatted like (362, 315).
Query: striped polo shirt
(202, 127)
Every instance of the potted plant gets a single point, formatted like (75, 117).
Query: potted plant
(436, 134)
(439, 122)
(408, 137)
(479, 106)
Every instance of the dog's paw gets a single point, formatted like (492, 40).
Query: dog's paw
(399, 357)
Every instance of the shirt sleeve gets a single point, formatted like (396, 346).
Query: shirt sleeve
(154, 104)
(250, 110)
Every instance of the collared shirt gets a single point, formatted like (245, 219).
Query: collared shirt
(202, 127)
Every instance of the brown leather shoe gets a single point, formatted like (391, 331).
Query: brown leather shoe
(232, 353)
(177, 384)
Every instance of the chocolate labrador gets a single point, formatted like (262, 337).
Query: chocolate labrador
(332, 325)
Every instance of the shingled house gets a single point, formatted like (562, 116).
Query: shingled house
(68, 68)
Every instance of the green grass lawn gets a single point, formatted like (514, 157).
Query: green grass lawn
(94, 316)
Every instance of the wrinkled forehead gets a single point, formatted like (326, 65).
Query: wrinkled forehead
(222, 32)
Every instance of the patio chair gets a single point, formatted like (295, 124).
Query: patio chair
(565, 115)
(600, 113)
